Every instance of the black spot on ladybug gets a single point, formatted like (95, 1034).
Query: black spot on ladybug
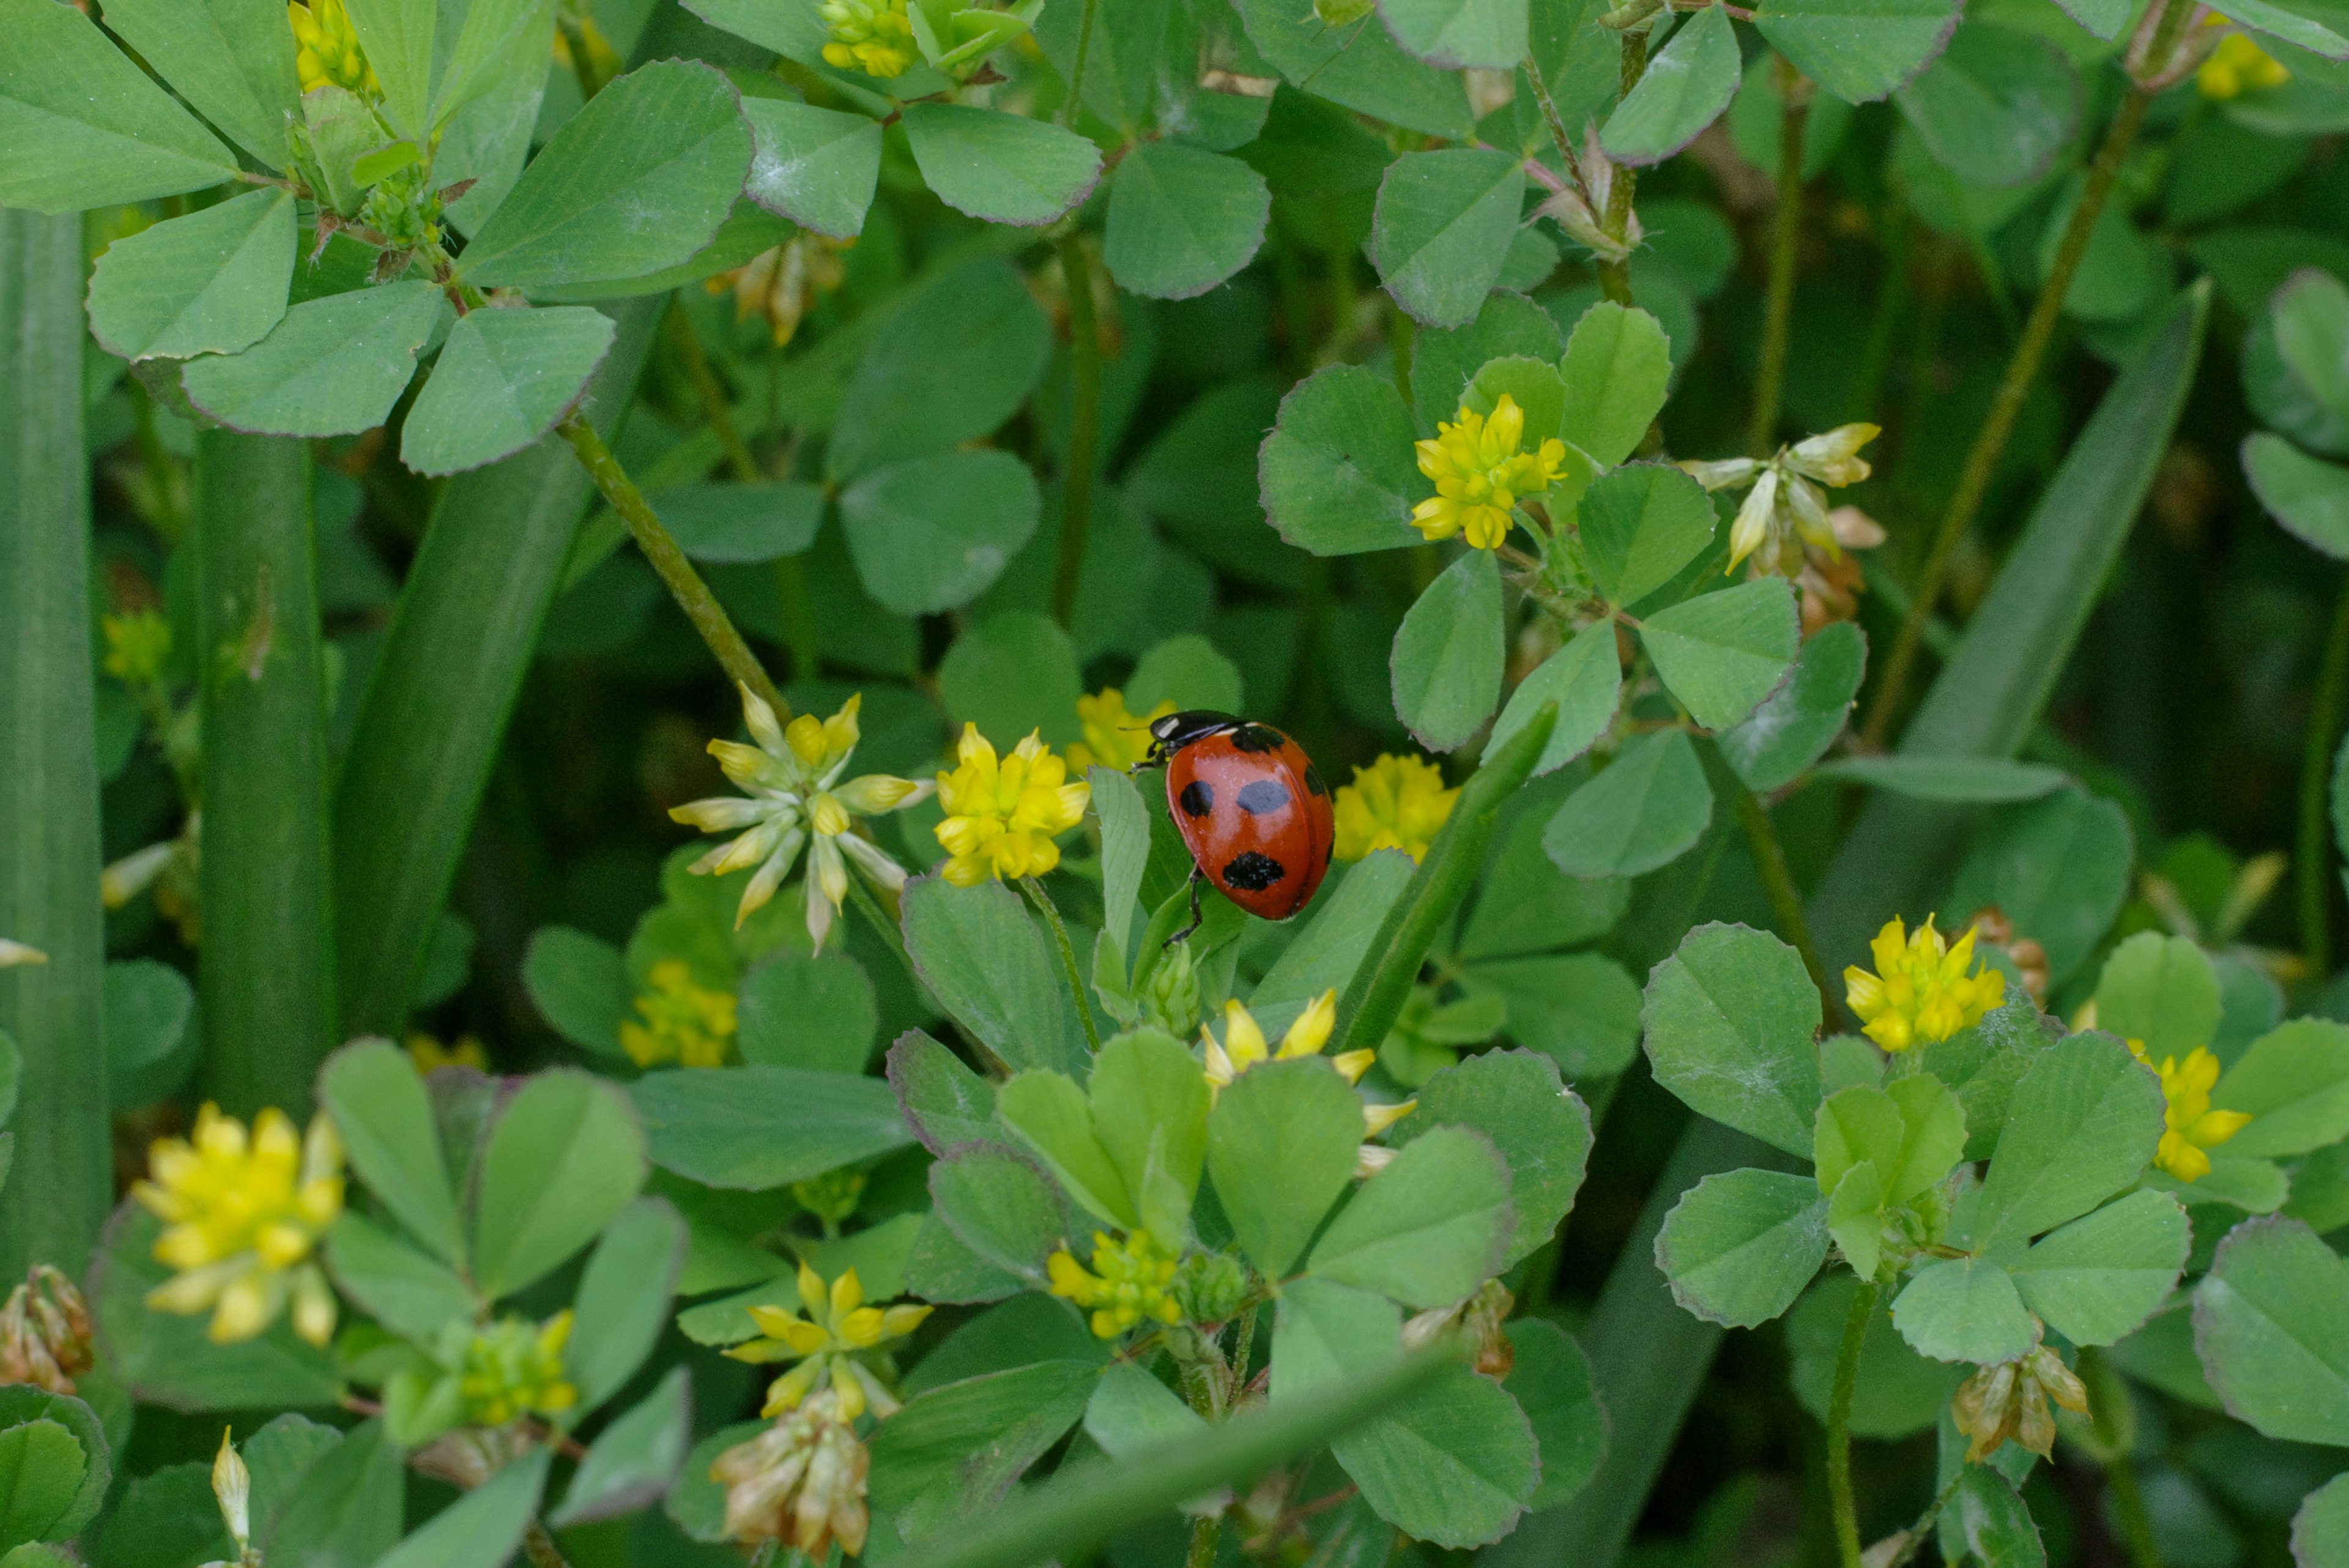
(1313, 780)
(1262, 796)
(1256, 737)
(1251, 872)
(1199, 798)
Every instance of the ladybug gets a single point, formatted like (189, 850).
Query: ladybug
(1251, 808)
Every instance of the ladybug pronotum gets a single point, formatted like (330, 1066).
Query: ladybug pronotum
(1251, 809)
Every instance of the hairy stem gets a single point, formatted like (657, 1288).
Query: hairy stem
(1785, 898)
(1846, 1375)
(1914, 1536)
(540, 1547)
(1777, 323)
(1615, 276)
(692, 595)
(1204, 1534)
(2038, 332)
(1043, 902)
(1084, 419)
(2314, 869)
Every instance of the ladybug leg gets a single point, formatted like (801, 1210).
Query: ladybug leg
(1195, 915)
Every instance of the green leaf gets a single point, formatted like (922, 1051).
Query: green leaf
(1584, 678)
(1444, 362)
(231, 59)
(1647, 809)
(503, 378)
(1855, 1217)
(733, 523)
(1328, 1335)
(1430, 1228)
(2160, 991)
(1448, 654)
(84, 126)
(213, 282)
(1797, 723)
(1684, 89)
(953, 363)
(1187, 671)
(633, 1462)
(1454, 1464)
(1963, 1310)
(944, 1102)
(2294, 1083)
(1051, 1115)
(1182, 220)
(2099, 1278)
(1001, 168)
(1359, 67)
(494, 33)
(637, 180)
(1000, 1207)
(816, 166)
(952, 1454)
(1740, 1246)
(398, 36)
(1996, 107)
(384, 1115)
(2307, 494)
(1859, 51)
(1326, 953)
(331, 367)
(1898, 1392)
(1641, 524)
(623, 1302)
(933, 533)
(2059, 868)
(580, 985)
(1442, 229)
(1131, 1410)
(756, 1128)
(163, 1358)
(1985, 1062)
(987, 963)
(1580, 1010)
(813, 1010)
(406, 1292)
(2083, 1125)
(2265, 17)
(565, 1157)
(150, 1010)
(1150, 1112)
(1913, 1133)
(1454, 33)
(1337, 472)
(1969, 781)
(1989, 1520)
(1617, 366)
(2310, 314)
(1730, 1020)
(1551, 1383)
(1541, 1128)
(30, 1402)
(1721, 653)
(482, 1528)
(2319, 1530)
(41, 1467)
(1280, 1146)
(2267, 1324)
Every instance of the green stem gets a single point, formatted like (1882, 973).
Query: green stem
(1891, 307)
(1204, 1535)
(1846, 1375)
(2314, 856)
(1043, 902)
(1085, 418)
(1402, 334)
(800, 640)
(162, 471)
(2114, 1421)
(1777, 324)
(684, 585)
(540, 1548)
(1069, 110)
(1785, 899)
(1914, 1536)
(1615, 276)
(1981, 462)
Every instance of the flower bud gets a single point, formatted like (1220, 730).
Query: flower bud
(1170, 996)
(1211, 1287)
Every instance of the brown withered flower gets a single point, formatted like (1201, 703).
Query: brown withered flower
(801, 1481)
(45, 1337)
(2011, 1399)
(1991, 928)
(783, 283)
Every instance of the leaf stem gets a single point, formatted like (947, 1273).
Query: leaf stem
(692, 595)
(2021, 369)
(1557, 132)
(1777, 324)
(1084, 417)
(1785, 898)
(2314, 869)
(1846, 1375)
(1043, 902)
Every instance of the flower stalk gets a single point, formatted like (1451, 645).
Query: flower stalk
(1084, 413)
(1778, 325)
(1043, 902)
(1847, 1377)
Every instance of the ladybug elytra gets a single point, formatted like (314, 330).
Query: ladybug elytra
(1251, 809)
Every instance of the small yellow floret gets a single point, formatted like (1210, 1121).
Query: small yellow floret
(2190, 1126)
(684, 1022)
(137, 646)
(513, 1368)
(1114, 738)
(429, 1056)
(1130, 1279)
(2236, 64)
(1002, 814)
(875, 37)
(1480, 474)
(1396, 802)
(1921, 991)
(327, 50)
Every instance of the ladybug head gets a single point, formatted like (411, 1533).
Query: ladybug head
(1171, 732)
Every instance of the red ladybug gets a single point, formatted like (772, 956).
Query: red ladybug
(1252, 810)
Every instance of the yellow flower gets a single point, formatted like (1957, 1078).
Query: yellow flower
(684, 1022)
(241, 1217)
(1002, 815)
(837, 1324)
(2190, 1126)
(1242, 1046)
(1479, 474)
(137, 646)
(429, 1056)
(1129, 1281)
(513, 1368)
(875, 37)
(1921, 992)
(2236, 64)
(797, 800)
(327, 50)
(1114, 738)
(1396, 802)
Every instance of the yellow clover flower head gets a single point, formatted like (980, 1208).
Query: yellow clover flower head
(1130, 1279)
(1242, 1046)
(327, 50)
(838, 1323)
(2236, 64)
(1396, 802)
(241, 1215)
(514, 1368)
(137, 646)
(875, 37)
(801, 1481)
(1480, 474)
(429, 1056)
(1003, 813)
(1114, 738)
(797, 800)
(1921, 991)
(684, 1022)
(2190, 1127)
